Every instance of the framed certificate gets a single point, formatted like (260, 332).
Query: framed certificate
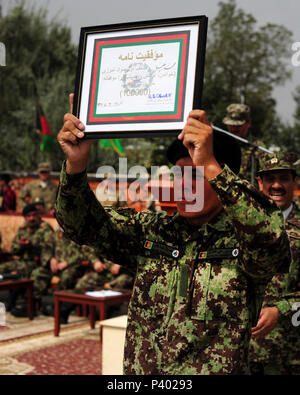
(140, 79)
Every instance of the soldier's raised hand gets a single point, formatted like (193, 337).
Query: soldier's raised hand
(70, 139)
(197, 136)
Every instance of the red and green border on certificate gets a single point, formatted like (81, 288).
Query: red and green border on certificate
(174, 116)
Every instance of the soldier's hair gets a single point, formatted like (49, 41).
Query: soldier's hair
(29, 209)
(226, 151)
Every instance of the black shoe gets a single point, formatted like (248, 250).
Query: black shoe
(47, 310)
(63, 318)
(21, 312)
(12, 299)
(65, 311)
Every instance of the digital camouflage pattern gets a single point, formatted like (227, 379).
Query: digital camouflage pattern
(278, 161)
(96, 280)
(122, 282)
(93, 279)
(33, 261)
(237, 114)
(250, 161)
(44, 166)
(192, 305)
(34, 190)
(279, 352)
(65, 250)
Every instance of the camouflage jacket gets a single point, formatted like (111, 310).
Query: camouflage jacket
(34, 190)
(247, 152)
(192, 308)
(282, 345)
(66, 250)
(41, 246)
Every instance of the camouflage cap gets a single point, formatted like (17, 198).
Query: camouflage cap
(278, 161)
(237, 114)
(44, 166)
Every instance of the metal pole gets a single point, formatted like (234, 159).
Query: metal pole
(245, 141)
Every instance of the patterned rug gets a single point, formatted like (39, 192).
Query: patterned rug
(30, 348)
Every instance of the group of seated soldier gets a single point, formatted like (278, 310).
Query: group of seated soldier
(54, 262)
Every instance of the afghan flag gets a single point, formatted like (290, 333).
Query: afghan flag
(114, 144)
(43, 128)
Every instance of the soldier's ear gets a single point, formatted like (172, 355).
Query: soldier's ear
(260, 183)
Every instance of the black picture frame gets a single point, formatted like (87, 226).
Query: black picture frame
(183, 35)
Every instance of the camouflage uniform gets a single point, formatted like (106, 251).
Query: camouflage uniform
(122, 282)
(237, 115)
(279, 351)
(37, 189)
(33, 259)
(251, 157)
(94, 280)
(70, 252)
(192, 308)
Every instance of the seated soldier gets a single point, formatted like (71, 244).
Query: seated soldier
(66, 267)
(32, 248)
(121, 281)
(66, 263)
(104, 275)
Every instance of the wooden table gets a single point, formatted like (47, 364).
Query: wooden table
(91, 301)
(20, 284)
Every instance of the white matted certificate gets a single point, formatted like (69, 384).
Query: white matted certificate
(140, 79)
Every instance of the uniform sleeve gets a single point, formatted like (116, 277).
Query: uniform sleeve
(25, 192)
(75, 256)
(15, 248)
(44, 240)
(290, 285)
(115, 234)
(258, 225)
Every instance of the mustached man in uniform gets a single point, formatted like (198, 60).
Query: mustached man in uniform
(278, 353)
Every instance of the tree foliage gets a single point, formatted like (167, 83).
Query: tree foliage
(242, 60)
(289, 137)
(41, 63)
(244, 63)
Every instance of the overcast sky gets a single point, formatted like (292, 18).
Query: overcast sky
(79, 13)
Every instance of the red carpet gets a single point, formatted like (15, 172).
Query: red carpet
(77, 357)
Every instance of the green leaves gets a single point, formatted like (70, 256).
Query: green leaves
(245, 61)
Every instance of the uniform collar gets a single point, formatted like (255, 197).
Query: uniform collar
(294, 216)
(220, 223)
